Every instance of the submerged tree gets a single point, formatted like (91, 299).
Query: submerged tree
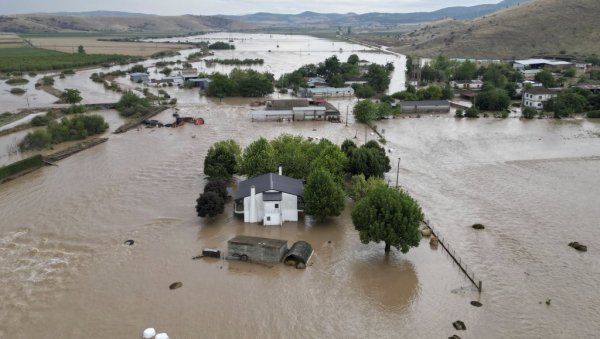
(388, 215)
(259, 158)
(210, 204)
(323, 196)
(222, 160)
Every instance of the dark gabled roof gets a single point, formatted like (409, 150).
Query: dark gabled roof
(272, 196)
(285, 104)
(540, 90)
(424, 103)
(270, 182)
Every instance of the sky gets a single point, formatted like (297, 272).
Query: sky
(232, 7)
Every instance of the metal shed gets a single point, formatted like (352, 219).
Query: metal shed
(300, 252)
(245, 248)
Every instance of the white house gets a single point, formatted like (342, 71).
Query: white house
(536, 97)
(270, 198)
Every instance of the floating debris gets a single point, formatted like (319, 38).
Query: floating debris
(454, 337)
(548, 302)
(459, 325)
(476, 303)
(175, 285)
(129, 242)
(578, 246)
(149, 333)
(478, 226)
(162, 336)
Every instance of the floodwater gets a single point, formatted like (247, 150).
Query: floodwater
(64, 270)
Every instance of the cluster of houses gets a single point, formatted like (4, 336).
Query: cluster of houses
(185, 76)
(318, 87)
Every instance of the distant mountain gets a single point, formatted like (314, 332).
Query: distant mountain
(537, 27)
(371, 19)
(101, 14)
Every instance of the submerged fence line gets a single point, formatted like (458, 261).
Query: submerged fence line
(461, 264)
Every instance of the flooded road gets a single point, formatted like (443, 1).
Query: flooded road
(65, 271)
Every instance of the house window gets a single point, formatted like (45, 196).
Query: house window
(539, 104)
(268, 218)
(276, 205)
(540, 97)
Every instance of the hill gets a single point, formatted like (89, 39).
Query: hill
(370, 19)
(100, 13)
(533, 28)
(38, 23)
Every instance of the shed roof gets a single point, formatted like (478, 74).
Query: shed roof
(540, 90)
(424, 103)
(541, 61)
(257, 241)
(286, 104)
(301, 251)
(270, 182)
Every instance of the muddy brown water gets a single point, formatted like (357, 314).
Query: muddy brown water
(65, 272)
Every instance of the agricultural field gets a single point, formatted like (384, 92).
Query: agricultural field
(92, 45)
(9, 40)
(26, 59)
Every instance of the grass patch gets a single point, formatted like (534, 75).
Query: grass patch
(17, 91)
(28, 59)
(16, 81)
(21, 166)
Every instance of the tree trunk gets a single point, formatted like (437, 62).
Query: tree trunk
(388, 247)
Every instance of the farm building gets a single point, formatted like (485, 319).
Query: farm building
(270, 198)
(296, 110)
(256, 249)
(189, 73)
(467, 84)
(329, 92)
(300, 252)
(201, 83)
(139, 77)
(427, 106)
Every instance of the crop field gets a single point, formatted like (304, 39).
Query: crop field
(25, 59)
(8, 40)
(93, 46)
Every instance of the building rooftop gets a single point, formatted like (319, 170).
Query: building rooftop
(541, 90)
(257, 241)
(286, 104)
(270, 182)
(425, 103)
(542, 61)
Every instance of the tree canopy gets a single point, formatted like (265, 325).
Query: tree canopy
(240, 83)
(369, 160)
(259, 158)
(222, 160)
(388, 215)
(323, 196)
(71, 96)
(210, 204)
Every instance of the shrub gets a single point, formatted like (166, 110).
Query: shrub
(40, 120)
(472, 112)
(17, 81)
(459, 113)
(593, 115)
(130, 105)
(39, 139)
(529, 112)
(20, 166)
(17, 91)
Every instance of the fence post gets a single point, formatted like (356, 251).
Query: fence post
(480, 286)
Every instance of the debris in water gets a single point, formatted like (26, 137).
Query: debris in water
(459, 325)
(578, 246)
(478, 226)
(197, 257)
(162, 336)
(548, 302)
(129, 242)
(454, 337)
(175, 285)
(149, 333)
(476, 303)
(329, 241)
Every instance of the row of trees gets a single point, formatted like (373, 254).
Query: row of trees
(78, 127)
(431, 92)
(367, 111)
(240, 83)
(132, 105)
(571, 101)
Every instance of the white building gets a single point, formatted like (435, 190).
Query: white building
(467, 84)
(537, 96)
(329, 92)
(270, 198)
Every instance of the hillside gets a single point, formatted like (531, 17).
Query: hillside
(535, 27)
(371, 19)
(34, 23)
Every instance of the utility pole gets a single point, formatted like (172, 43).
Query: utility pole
(398, 172)
(365, 134)
(346, 115)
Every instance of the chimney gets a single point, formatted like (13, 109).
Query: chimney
(280, 170)
(252, 215)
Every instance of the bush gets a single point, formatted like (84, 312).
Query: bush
(472, 112)
(130, 105)
(459, 113)
(529, 113)
(75, 109)
(40, 120)
(39, 139)
(35, 161)
(17, 81)
(76, 128)
(17, 91)
(593, 115)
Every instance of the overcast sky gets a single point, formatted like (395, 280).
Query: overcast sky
(205, 7)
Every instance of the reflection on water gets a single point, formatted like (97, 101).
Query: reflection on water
(534, 185)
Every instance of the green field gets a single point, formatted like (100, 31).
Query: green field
(26, 59)
(141, 35)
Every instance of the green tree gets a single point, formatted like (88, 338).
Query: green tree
(220, 86)
(529, 113)
(259, 158)
(378, 77)
(466, 71)
(432, 92)
(472, 112)
(448, 92)
(166, 71)
(360, 186)
(210, 204)
(323, 196)
(364, 91)
(348, 146)
(218, 187)
(337, 81)
(332, 159)
(365, 111)
(80, 49)
(495, 75)
(388, 215)
(494, 99)
(292, 153)
(369, 160)
(131, 104)
(222, 160)
(39, 139)
(71, 96)
(568, 103)
(546, 78)
(353, 59)
(139, 68)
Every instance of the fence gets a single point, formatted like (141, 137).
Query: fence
(461, 264)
